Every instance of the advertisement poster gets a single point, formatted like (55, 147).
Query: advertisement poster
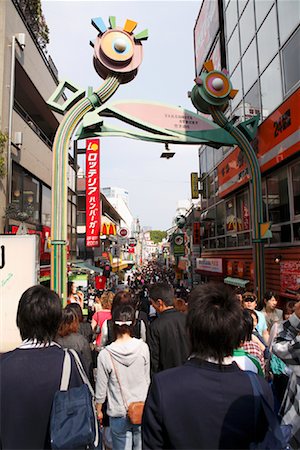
(93, 213)
(290, 275)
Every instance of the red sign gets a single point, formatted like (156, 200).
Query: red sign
(45, 248)
(123, 232)
(252, 270)
(290, 275)
(131, 250)
(229, 268)
(240, 269)
(196, 233)
(277, 139)
(93, 212)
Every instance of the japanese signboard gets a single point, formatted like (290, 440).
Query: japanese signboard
(93, 212)
(289, 275)
(194, 185)
(196, 233)
(178, 241)
(214, 265)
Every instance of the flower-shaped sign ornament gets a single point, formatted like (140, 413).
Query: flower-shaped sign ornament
(118, 50)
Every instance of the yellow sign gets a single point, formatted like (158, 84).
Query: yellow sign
(265, 230)
(194, 185)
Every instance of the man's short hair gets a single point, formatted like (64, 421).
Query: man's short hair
(39, 314)
(162, 291)
(214, 321)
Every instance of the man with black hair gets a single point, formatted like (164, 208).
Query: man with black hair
(168, 340)
(208, 403)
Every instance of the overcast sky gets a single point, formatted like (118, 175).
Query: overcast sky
(165, 75)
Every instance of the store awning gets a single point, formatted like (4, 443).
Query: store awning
(236, 282)
(116, 267)
(87, 266)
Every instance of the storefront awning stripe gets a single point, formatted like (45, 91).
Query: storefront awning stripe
(236, 282)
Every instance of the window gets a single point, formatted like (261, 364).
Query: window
(242, 4)
(247, 26)
(236, 81)
(296, 188)
(291, 62)
(220, 219)
(211, 189)
(262, 7)
(249, 62)
(231, 17)
(243, 212)
(31, 198)
(230, 216)
(17, 187)
(278, 198)
(267, 40)
(46, 206)
(233, 51)
(288, 16)
(252, 101)
(271, 90)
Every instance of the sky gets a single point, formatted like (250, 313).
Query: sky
(166, 74)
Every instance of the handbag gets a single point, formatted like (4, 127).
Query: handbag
(73, 421)
(277, 436)
(135, 409)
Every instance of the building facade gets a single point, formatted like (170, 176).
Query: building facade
(28, 77)
(258, 42)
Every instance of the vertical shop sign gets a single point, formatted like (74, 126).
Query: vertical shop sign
(196, 233)
(93, 212)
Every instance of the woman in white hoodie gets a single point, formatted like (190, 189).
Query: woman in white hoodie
(125, 362)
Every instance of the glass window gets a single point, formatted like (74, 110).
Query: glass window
(281, 233)
(81, 203)
(211, 189)
(296, 188)
(252, 101)
(242, 4)
(209, 223)
(267, 40)
(218, 155)
(296, 231)
(265, 203)
(291, 62)
(250, 69)
(236, 80)
(244, 239)
(230, 216)
(231, 17)
(73, 215)
(231, 241)
(288, 16)
(46, 206)
(243, 212)
(247, 26)
(278, 197)
(209, 158)
(16, 193)
(31, 198)
(271, 91)
(220, 219)
(233, 50)
(262, 7)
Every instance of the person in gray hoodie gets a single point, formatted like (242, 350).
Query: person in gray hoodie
(123, 376)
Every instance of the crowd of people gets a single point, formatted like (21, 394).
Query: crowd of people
(187, 356)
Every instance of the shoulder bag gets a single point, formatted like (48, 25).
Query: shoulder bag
(73, 421)
(134, 409)
(277, 436)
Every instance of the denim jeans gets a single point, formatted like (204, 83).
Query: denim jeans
(125, 436)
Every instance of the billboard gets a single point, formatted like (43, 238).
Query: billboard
(93, 212)
(205, 31)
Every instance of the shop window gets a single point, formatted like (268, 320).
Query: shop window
(209, 223)
(296, 231)
(262, 7)
(231, 225)
(31, 198)
(46, 206)
(220, 242)
(233, 49)
(247, 26)
(252, 102)
(17, 187)
(291, 61)
(267, 40)
(281, 233)
(249, 62)
(231, 241)
(288, 16)
(244, 239)
(231, 17)
(220, 219)
(296, 188)
(278, 198)
(271, 90)
(243, 212)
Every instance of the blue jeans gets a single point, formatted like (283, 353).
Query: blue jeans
(125, 436)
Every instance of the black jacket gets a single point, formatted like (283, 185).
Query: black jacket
(202, 405)
(168, 341)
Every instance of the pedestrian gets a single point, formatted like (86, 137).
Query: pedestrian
(84, 326)
(168, 341)
(74, 296)
(123, 376)
(31, 374)
(287, 348)
(208, 402)
(250, 302)
(103, 314)
(272, 314)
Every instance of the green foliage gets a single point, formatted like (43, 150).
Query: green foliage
(3, 140)
(157, 235)
(32, 10)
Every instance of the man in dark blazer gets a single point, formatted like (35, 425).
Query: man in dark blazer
(168, 340)
(207, 403)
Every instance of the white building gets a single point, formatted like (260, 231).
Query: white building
(118, 197)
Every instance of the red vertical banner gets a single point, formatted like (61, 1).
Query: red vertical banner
(93, 212)
(196, 233)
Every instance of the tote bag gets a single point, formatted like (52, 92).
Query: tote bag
(73, 422)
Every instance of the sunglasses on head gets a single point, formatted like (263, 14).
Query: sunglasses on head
(249, 299)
